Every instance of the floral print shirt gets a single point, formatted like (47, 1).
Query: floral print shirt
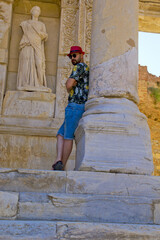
(79, 93)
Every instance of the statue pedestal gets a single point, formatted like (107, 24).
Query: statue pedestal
(35, 89)
(28, 131)
(29, 104)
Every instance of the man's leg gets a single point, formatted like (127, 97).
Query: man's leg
(64, 149)
(60, 144)
(67, 149)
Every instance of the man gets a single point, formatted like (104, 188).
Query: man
(77, 86)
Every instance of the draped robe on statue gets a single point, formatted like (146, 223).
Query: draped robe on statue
(31, 70)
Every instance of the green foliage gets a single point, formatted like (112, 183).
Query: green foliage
(155, 93)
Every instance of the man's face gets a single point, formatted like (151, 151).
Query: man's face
(76, 58)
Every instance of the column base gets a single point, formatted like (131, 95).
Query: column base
(113, 136)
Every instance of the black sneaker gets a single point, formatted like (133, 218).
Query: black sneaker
(58, 166)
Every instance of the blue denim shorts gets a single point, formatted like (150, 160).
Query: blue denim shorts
(73, 114)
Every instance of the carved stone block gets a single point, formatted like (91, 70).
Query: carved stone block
(29, 104)
(9, 204)
(3, 56)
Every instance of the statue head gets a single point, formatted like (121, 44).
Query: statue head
(35, 11)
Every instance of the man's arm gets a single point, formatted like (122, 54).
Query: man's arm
(71, 82)
(74, 77)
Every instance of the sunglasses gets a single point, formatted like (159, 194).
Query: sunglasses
(73, 55)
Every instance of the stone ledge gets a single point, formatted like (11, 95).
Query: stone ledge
(30, 126)
(28, 131)
(79, 182)
(8, 205)
(96, 231)
(86, 208)
(149, 17)
(112, 184)
(48, 230)
(29, 104)
(21, 180)
(37, 230)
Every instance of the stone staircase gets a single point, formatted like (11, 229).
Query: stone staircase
(38, 204)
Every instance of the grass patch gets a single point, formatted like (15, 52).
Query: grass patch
(155, 93)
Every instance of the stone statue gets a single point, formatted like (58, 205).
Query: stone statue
(31, 70)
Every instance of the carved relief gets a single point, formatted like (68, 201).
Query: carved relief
(61, 94)
(5, 16)
(82, 24)
(69, 3)
(65, 73)
(89, 4)
(68, 29)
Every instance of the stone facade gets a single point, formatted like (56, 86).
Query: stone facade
(149, 18)
(24, 116)
(151, 109)
(37, 115)
(117, 198)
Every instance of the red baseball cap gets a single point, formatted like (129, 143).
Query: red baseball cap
(75, 49)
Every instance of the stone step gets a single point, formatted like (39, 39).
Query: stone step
(28, 180)
(48, 230)
(87, 208)
(79, 182)
(79, 196)
(79, 207)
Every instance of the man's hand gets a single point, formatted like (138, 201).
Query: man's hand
(71, 82)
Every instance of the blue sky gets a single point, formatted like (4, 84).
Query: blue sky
(149, 52)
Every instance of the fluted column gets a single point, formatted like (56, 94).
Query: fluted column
(113, 136)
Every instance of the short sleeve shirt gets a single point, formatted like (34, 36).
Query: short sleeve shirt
(79, 93)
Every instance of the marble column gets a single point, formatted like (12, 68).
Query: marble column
(113, 136)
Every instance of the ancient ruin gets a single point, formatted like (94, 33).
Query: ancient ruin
(149, 104)
(112, 194)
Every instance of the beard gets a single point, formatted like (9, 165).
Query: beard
(74, 62)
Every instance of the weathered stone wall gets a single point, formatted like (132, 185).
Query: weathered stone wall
(68, 22)
(149, 17)
(151, 109)
(26, 117)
